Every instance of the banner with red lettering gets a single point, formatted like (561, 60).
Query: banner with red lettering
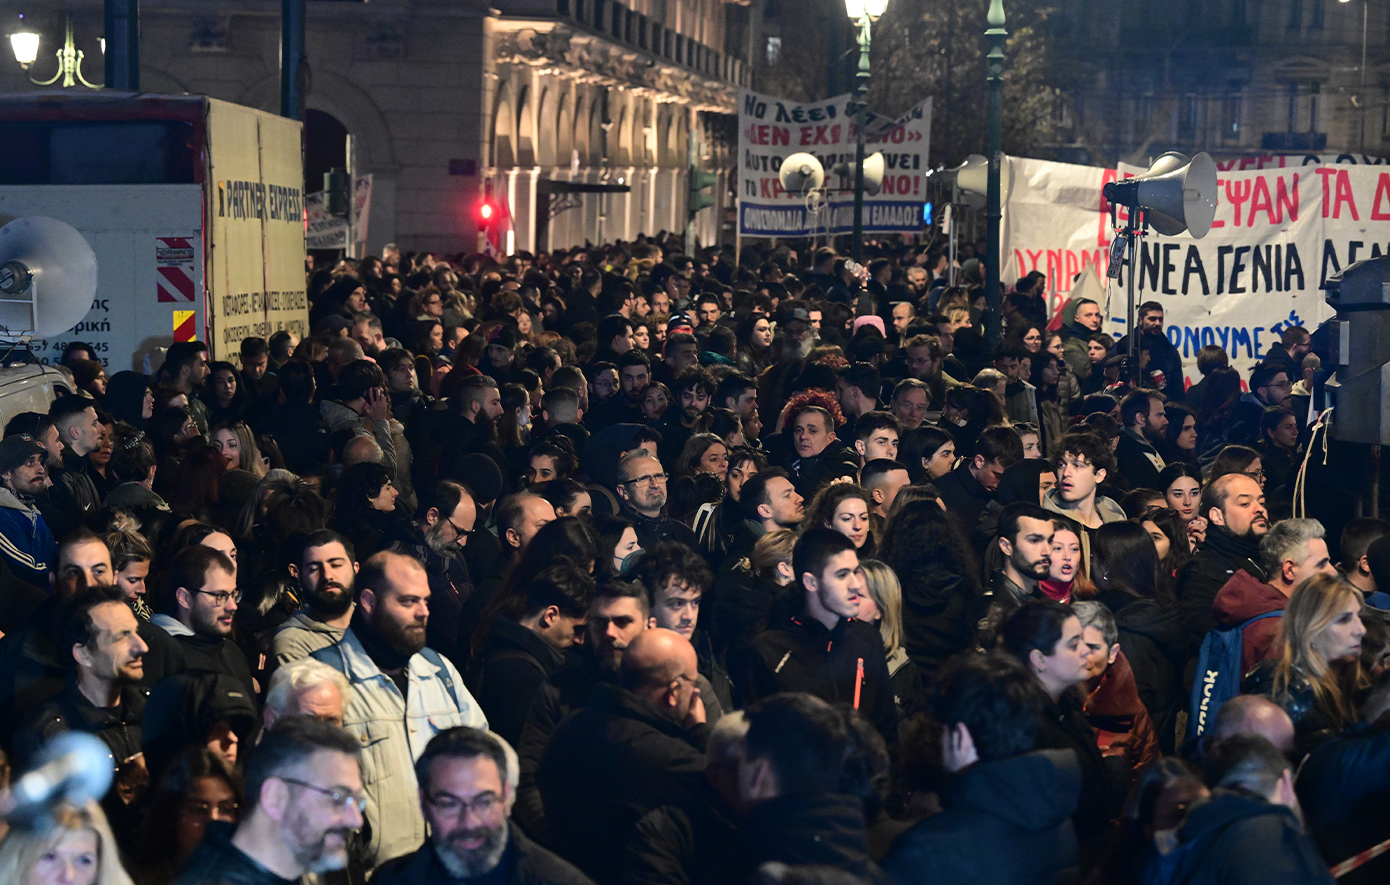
(1279, 233)
(771, 129)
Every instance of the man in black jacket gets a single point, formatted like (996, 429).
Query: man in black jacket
(1163, 356)
(677, 580)
(303, 800)
(818, 457)
(969, 488)
(1145, 422)
(466, 778)
(1234, 507)
(640, 744)
(197, 608)
(523, 650)
(641, 489)
(998, 793)
(1249, 830)
(824, 649)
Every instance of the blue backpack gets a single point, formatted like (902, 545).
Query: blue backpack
(1218, 674)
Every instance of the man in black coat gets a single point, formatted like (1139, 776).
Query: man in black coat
(1249, 830)
(1234, 507)
(1145, 422)
(824, 649)
(967, 490)
(998, 793)
(640, 744)
(641, 489)
(466, 793)
(197, 607)
(1163, 356)
(522, 652)
(818, 456)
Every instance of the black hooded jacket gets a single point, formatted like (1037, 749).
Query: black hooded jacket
(823, 829)
(1238, 839)
(1202, 578)
(937, 621)
(1024, 803)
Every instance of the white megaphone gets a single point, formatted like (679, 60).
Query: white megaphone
(48, 277)
(972, 182)
(1175, 193)
(873, 172)
(801, 173)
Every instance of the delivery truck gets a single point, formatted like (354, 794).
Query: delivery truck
(193, 206)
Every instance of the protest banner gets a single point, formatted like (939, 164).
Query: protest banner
(771, 129)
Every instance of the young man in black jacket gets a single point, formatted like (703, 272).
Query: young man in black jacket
(824, 649)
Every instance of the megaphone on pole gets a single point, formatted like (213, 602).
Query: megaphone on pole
(1175, 194)
(801, 173)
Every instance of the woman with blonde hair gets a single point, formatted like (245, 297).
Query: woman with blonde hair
(883, 607)
(78, 850)
(1317, 675)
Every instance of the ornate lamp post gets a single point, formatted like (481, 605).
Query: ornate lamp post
(1361, 97)
(865, 12)
(26, 51)
(995, 35)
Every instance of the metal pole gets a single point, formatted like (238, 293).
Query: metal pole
(292, 61)
(1365, 20)
(861, 97)
(995, 35)
(123, 45)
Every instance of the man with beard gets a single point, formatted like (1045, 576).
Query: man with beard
(1025, 540)
(1234, 508)
(618, 613)
(26, 544)
(197, 608)
(446, 517)
(1145, 425)
(326, 569)
(304, 798)
(467, 788)
(694, 392)
(1163, 356)
(470, 427)
(792, 345)
(634, 374)
(638, 745)
(402, 694)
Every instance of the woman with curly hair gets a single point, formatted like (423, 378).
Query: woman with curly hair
(844, 507)
(1317, 677)
(364, 509)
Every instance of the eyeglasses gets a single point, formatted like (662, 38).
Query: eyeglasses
(222, 597)
(1255, 474)
(462, 533)
(650, 479)
(481, 805)
(337, 796)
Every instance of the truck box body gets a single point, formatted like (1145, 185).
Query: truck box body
(193, 206)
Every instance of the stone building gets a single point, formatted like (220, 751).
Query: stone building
(446, 100)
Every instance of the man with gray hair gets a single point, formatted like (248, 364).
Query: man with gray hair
(468, 780)
(1290, 553)
(642, 489)
(306, 688)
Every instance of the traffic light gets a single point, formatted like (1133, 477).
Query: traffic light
(696, 198)
(490, 214)
(337, 188)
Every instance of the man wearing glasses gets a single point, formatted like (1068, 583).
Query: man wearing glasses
(198, 611)
(467, 785)
(1270, 385)
(642, 491)
(304, 799)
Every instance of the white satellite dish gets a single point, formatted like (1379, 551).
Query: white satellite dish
(48, 277)
(801, 173)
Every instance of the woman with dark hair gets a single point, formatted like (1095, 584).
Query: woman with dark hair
(197, 789)
(225, 397)
(551, 458)
(424, 338)
(172, 432)
(727, 425)
(1153, 634)
(1278, 446)
(514, 427)
(1169, 534)
(1045, 637)
(1047, 369)
(1179, 443)
(193, 486)
(1214, 411)
(617, 546)
(1027, 480)
(656, 399)
(568, 497)
(928, 452)
(364, 509)
(754, 344)
(937, 572)
(703, 453)
(1237, 459)
(129, 398)
(1181, 485)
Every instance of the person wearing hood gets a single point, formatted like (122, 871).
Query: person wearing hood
(1234, 507)
(129, 398)
(1291, 552)
(1083, 462)
(345, 298)
(1005, 808)
(823, 648)
(1249, 829)
(26, 543)
(197, 708)
(1081, 319)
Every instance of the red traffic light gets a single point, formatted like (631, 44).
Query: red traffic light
(486, 211)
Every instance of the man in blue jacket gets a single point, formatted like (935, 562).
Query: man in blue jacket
(26, 543)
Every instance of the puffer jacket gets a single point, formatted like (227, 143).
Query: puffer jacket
(394, 730)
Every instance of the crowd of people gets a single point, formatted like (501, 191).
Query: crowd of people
(621, 565)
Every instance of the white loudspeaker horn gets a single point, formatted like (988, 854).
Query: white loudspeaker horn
(1177, 194)
(48, 277)
(972, 182)
(873, 173)
(801, 173)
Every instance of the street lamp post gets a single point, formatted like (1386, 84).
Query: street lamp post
(1361, 97)
(26, 51)
(995, 35)
(865, 12)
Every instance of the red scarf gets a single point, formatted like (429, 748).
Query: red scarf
(1056, 590)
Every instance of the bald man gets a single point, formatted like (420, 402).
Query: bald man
(639, 745)
(1253, 714)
